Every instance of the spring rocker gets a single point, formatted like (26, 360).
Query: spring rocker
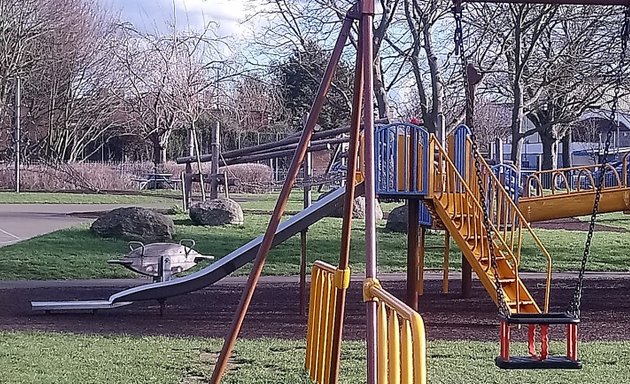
(449, 186)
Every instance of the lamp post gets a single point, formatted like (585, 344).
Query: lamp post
(18, 102)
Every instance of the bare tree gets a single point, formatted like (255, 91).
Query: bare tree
(294, 24)
(62, 51)
(549, 67)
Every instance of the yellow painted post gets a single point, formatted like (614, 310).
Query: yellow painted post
(381, 323)
(330, 316)
(316, 324)
(447, 250)
(406, 354)
(419, 350)
(323, 333)
(311, 318)
(401, 158)
(394, 348)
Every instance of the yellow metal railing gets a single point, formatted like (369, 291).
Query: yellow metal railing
(401, 349)
(323, 295)
(563, 181)
(460, 197)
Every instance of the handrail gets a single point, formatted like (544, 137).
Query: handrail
(505, 211)
(534, 181)
(401, 339)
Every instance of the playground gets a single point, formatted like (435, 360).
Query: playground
(495, 275)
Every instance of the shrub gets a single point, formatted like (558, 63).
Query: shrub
(67, 177)
(252, 178)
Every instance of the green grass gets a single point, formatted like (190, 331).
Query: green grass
(87, 198)
(66, 358)
(75, 253)
(265, 202)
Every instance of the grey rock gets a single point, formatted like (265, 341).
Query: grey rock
(397, 219)
(358, 208)
(216, 212)
(134, 223)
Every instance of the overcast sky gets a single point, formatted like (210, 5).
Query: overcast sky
(147, 14)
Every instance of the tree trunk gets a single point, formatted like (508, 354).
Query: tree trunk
(517, 122)
(380, 92)
(191, 141)
(549, 157)
(159, 152)
(567, 161)
(517, 148)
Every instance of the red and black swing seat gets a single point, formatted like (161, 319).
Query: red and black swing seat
(542, 360)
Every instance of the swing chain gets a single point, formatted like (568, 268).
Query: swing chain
(504, 311)
(574, 306)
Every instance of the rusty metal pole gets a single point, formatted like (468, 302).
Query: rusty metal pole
(474, 78)
(351, 178)
(367, 14)
(413, 232)
(274, 221)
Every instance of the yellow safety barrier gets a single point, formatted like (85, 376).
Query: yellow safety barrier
(567, 181)
(325, 281)
(401, 339)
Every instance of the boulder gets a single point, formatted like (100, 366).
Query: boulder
(397, 219)
(134, 223)
(215, 212)
(358, 209)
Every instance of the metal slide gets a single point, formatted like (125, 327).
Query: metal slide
(212, 273)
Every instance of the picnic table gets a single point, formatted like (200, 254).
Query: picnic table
(158, 181)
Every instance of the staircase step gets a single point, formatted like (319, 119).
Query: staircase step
(498, 257)
(507, 280)
(522, 303)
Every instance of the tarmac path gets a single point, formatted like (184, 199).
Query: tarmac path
(23, 221)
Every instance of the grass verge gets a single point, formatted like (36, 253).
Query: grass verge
(147, 197)
(68, 358)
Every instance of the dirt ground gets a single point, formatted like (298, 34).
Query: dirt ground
(573, 224)
(274, 311)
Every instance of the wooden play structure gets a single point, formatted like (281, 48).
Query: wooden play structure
(448, 185)
(321, 141)
(478, 206)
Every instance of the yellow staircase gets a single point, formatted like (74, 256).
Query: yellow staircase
(454, 201)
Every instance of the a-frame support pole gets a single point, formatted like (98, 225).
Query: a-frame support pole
(351, 177)
(367, 15)
(274, 222)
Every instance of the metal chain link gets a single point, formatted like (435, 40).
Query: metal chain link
(459, 49)
(574, 306)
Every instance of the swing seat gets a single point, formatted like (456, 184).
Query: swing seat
(527, 362)
(544, 361)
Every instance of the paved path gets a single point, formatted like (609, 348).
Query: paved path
(23, 221)
(454, 277)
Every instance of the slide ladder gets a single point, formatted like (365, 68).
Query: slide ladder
(453, 199)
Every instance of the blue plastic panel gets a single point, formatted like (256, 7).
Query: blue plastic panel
(397, 166)
(424, 217)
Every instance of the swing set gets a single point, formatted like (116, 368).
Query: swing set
(470, 201)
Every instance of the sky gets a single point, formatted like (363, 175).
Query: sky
(149, 14)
